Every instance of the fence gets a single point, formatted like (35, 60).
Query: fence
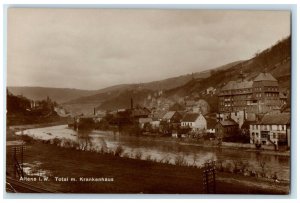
(209, 178)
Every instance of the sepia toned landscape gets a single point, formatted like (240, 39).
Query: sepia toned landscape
(148, 101)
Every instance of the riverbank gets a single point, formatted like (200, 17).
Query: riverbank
(38, 125)
(211, 144)
(183, 141)
(130, 175)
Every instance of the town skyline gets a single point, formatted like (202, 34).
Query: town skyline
(155, 49)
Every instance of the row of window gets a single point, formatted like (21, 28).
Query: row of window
(187, 124)
(272, 94)
(273, 135)
(268, 127)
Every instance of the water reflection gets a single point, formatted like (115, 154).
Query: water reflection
(164, 149)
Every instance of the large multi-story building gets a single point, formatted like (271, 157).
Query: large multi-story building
(260, 95)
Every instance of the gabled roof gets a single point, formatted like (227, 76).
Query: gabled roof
(139, 111)
(211, 123)
(145, 120)
(264, 77)
(231, 85)
(190, 117)
(277, 119)
(247, 123)
(228, 123)
(169, 115)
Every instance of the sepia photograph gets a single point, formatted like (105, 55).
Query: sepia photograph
(148, 101)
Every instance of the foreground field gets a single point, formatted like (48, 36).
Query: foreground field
(128, 175)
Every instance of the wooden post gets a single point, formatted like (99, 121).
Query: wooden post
(22, 158)
(14, 162)
(214, 177)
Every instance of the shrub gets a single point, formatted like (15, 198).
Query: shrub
(228, 167)
(119, 150)
(167, 160)
(220, 166)
(55, 141)
(244, 165)
(262, 164)
(138, 155)
(27, 139)
(126, 155)
(148, 158)
(180, 161)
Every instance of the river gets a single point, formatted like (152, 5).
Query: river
(164, 149)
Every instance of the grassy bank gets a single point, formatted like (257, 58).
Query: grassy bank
(131, 175)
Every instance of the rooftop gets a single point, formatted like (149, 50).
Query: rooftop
(279, 119)
(231, 85)
(264, 77)
(169, 115)
(211, 123)
(228, 123)
(190, 117)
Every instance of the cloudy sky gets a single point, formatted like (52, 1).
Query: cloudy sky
(96, 48)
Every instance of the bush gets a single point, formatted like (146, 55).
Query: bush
(126, 155)
(148, 158)
(119, 150)
(180, 161)
(55, 141)
(138, 155)
(220, 166)
(27, 139)
(228, 168)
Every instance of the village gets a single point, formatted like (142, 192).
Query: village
(252, 112)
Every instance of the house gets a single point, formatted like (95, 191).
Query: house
(245, 128)
(140, 112)
(283, 98)
(172, 117)
(211, 124)
(226, 129)
(210, 90)
(258, 96)
(272, 130)
(195, 121)
(155, 123)
(143, 121)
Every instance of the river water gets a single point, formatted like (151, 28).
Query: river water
(164, 149)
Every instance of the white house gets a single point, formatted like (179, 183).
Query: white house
(271, 130)
(143, 121)
(195, 121)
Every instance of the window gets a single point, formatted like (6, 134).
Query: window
(282, 127)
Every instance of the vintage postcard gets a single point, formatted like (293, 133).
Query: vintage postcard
(151, 101)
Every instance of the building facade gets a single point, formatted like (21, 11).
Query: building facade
(258, 96)
(271, 130)
(195, 121)
(226, 129)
